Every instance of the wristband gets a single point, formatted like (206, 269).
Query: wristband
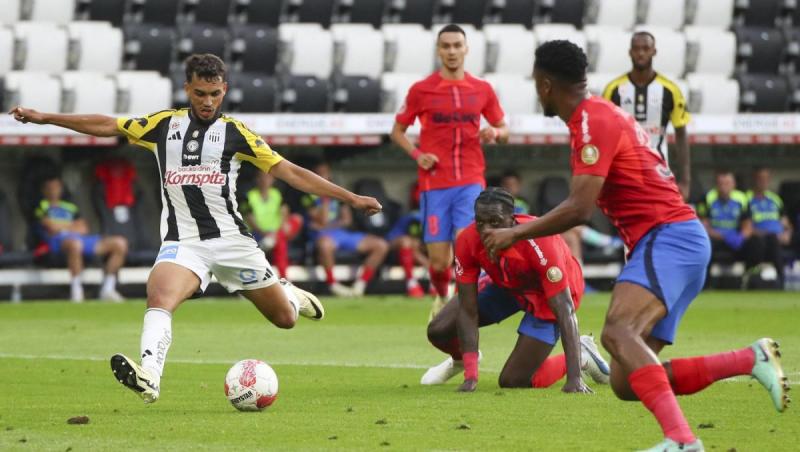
(415, 154)
(470, 365)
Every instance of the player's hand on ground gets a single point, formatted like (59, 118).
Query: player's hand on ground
(368, 204)
(488, 135)
(26, 115)
(469, 385)
(578, 386)
(426, 160)
(496, 240)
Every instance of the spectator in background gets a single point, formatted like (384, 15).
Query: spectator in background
(329, 221)
(64, 231)
(270, 221)
(512, 183)
(726, 218)
(405, 238)
(770, 224)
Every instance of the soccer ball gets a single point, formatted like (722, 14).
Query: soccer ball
(251, 385)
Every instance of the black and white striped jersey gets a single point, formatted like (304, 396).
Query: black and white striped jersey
(198, 163)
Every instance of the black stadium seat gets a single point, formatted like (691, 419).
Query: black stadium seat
(214, 12)
(761, 49)
(252, 93)
(363, 11)
(255, 48)
(107, 10)
(760, 13)
(565, 11)
(142, 250)
(315, 11)
(265, 12)
(305, 94)
(518, 12)
(469, 12)
(418, 12)
(9, 257)
(792, 36)
(163, 12)
(794, 92)
(356, 94)
(763, 93)
(201, 38)
(149, 46)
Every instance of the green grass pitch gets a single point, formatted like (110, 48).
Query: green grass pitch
(352, 382)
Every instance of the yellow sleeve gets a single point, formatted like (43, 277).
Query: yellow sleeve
(608, 93)
(679, 116)
(254, 149)
(144, 131)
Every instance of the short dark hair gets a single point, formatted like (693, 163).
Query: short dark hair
(562, 59)
(451, 28)
(206, 66)
(511, 173)
(643, 33)
(496, 195)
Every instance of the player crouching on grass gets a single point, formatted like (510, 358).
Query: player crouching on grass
(539, 277)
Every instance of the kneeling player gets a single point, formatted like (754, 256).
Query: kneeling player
(541, 278)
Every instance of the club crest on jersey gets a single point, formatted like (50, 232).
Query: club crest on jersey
(554, 274)
(192, 146)
(590, 154)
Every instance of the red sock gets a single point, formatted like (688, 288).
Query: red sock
(367, 273)
(690, 375)
(329, 276)
(440, 280)
(551, 370)
(651, 385)
(280, 253)
(451, 347)
(406, 257)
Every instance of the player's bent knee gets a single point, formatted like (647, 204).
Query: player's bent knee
(613, 335)
(284, 321)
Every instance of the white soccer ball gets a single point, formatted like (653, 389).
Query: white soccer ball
(251, 385)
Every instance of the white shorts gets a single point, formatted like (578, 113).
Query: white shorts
(235, 260)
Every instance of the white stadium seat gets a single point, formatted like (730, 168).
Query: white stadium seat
(6, 50)
(410, 48)
(95, 46)
(11, 11)
(616, 13)
(475, 62)
(670, 50)
(510, 49)
(38, 90)
(56, 11)
(88, 92)
(713, 94)
(308, 49)
(516, 93)
(710, 50)
(662, 13)
(143, 92)
(395, 88)
(596, 82)
(710, 13)
(358, 49)
(551, 32)
(42, 46)
(608, 48)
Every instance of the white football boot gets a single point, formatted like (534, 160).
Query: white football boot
(310, 306)
(592, 363)
(444, 371)
(340, 290)
(135, 378)
(111, 295)
(669, 445)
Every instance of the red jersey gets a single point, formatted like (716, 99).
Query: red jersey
(533, 270)
(639, 191)
(450, 114)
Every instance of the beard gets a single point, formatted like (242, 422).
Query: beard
(549, 111)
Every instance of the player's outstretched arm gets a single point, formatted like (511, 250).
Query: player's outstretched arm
(562, 306)
(309, 182)
(575, 210)
(96, 125)
(467, 325)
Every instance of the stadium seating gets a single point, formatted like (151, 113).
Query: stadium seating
(202, 38)
(607, 48)
(616, 13)
(509, 49)
(131, 83)
(38, 90)
(316, 11)
(712, 94)
(793, 50)
(549, 32)
(671, 50)
(6, 50)
(95, 46)
(794, 92)
(662, 13)
(759, 13)
(394, 87)
(362, 11)
(164, 12)
(54, 11)
(255, 48)
(763, 93)
(358, 49)
(516, 93)
(88, 92)
(408, 46)
(562, 11)
(11, 11)
(467, 12)
(265, 12)
(148, 47)
(305, 94)
(210, 12)
(596, 82)
(252, 93)
(710, 13)
(357, 94)
(309, 50)
(416, 12)
(106, 10)
(710, 50)
(517, 12)
(760, 49)
(43, 47)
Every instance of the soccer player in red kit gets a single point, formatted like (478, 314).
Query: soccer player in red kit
(614, 166)
(538, 277)
(449, 104)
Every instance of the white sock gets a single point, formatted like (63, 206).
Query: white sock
(156, 339)
(412, 283)
(109, 283)
(76, 281)
(293, 300)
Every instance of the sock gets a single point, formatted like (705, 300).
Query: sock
(552, 369)
(280, 253)
(76, 281)
(329, 276)
(651, 385)
(293, 300)
(451, 347)
(406, 257)
(109, 282)
(156, 339)
(367, 273)
(691, 375)
(440, 280)
(470, 365)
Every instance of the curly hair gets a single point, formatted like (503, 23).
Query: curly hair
(563, 60)
(205, 66)
(496, 195)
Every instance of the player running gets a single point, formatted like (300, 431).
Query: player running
(614, 166)
(199, 152)
(539, 277)
(449, 104)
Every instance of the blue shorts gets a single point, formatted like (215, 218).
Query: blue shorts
(670, 261)
(495, 304)
(89, 242)
(447, 210)
(345, 240)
